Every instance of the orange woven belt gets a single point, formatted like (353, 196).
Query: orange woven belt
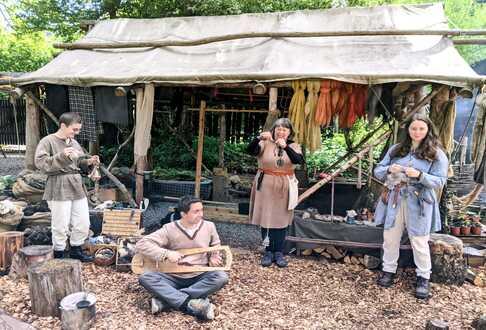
(276, 172)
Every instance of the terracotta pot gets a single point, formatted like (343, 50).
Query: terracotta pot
(476, 230)
(465, 230)
(456, 231)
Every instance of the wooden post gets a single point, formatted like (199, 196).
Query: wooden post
(200, 144)
(273, 112)
(222, 138)
(32, 131)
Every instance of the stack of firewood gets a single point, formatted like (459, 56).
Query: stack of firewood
(331, 252)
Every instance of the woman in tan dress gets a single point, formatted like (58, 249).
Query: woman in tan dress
(274, 189)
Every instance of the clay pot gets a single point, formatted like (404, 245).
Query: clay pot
(465, 230)
(456, 231)
(476, 230)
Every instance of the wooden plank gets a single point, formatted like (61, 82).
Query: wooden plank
(200, 144)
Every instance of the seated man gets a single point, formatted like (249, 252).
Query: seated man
(186, 292)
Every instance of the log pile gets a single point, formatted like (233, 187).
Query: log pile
(330, 252)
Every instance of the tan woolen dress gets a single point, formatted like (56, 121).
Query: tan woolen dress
(269, 204)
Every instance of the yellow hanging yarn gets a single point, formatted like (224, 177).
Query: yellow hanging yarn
(313, 130)
(296, 110)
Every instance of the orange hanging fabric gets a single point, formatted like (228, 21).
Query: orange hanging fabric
(324, 105)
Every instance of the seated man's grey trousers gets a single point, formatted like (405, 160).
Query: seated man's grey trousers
(175, 290)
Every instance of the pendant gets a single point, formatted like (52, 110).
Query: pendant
(280, 162)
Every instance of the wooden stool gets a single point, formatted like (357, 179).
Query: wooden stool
(50, 282)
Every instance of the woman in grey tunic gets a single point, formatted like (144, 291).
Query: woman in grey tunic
(270, 207)
(412, 170)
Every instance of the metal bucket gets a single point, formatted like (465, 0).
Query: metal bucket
(78, 311)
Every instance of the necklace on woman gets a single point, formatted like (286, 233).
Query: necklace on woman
(278, 153)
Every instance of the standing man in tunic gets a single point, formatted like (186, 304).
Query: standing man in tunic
(61, 157)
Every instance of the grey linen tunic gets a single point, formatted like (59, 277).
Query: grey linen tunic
(64, 182)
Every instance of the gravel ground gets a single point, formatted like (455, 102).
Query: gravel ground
(11, 165)
(309, 294)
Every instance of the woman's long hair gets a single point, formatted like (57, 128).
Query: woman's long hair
(283, 122)
(428, 146)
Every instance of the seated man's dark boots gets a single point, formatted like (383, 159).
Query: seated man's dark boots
(280, 260)
(58, 254)
(422, 289)
(386, 279)
(76, 252)
(267, 259)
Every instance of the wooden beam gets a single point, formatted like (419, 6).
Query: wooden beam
(200, 144)
(32, 131)
(459, 42)
(229, 110)
(236, 36)
(343, 168)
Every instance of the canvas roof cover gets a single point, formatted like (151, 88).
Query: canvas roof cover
(362, 59)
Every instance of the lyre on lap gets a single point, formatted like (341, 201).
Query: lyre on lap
(141, 263)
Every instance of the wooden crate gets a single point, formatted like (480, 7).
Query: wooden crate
(122, 223)
(10, 243)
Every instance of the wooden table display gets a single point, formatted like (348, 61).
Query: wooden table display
(50, 282)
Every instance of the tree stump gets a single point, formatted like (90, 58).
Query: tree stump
(436, 325)
(10, 243)
(50, 282)
(448, 264)
(7, 322)
(27, 257)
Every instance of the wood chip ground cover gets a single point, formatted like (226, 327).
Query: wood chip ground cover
(308, 295)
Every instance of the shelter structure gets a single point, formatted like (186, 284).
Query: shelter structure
(368, 46)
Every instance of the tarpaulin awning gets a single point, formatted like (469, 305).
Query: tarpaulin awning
(359, 59)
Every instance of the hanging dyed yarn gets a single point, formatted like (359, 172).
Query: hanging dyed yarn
(338, 98)
(358, 95)
(324, 104)
(296, 110)
(313, 129)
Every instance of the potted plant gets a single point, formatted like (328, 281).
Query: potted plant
(455, 227)
(466, 227)
(476, 225)
(476, 228)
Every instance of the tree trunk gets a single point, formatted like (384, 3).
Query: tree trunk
(29, 256)
(448, 264)
(50, 282)
(10, 243)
